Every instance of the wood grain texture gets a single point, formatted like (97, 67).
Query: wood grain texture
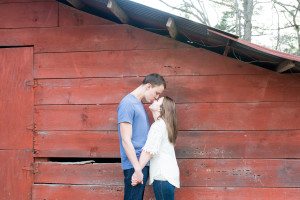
(23, 1)
(31, 14)
(85, 192)
(196, 116)
(16, 98)
(176, 61)
(16, 175)
(86, 38)
(193, 172)
(69, 16)
(190, 144)
(183, 89)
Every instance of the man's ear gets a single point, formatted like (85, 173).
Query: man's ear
(148, 86)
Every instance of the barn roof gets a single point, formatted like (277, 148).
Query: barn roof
(193, 33)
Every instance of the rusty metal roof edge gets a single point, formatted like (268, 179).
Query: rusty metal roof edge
(145, 14)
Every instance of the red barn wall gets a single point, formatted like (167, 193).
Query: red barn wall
(239, 124)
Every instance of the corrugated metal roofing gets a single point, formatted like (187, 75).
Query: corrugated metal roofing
(193, 33)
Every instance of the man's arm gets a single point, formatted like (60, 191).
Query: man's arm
(126, 134)
(144, 159)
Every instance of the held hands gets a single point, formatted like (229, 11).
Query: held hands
(137, 177)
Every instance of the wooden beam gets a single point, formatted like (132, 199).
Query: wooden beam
(117, 11)
(227, 48)
(286, 65)
(172, 28)
(76, 3)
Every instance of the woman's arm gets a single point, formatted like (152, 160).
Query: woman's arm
(144, 158)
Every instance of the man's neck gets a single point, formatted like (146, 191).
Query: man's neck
(139, 93)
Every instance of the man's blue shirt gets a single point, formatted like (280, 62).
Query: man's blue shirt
(131, 110)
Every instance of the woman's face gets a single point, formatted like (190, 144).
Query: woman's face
(155, 106)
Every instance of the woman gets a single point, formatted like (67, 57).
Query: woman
(159, 149)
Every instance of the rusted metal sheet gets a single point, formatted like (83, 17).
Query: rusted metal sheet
(183, 61)
(86, 38)
(230, 88)
(16, 174)
(16, 98)
(31, 14)
(195, 116)
(69, 16)
(190, 144)
(81, 192)
(193, 172)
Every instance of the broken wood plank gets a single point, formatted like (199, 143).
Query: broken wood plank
(193, 172)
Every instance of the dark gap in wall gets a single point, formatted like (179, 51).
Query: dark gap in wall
(96, 160)
(6, 47)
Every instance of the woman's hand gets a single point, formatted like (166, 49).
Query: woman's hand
(137, 178)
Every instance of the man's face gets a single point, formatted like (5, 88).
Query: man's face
(153, 93)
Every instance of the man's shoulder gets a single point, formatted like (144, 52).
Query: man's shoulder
(126, 99)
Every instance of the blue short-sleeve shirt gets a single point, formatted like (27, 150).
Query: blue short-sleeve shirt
(131, 110)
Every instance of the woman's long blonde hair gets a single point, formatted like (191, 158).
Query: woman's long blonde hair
(169, 115)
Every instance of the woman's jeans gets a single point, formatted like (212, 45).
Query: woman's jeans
(134, 192)
(163, 190)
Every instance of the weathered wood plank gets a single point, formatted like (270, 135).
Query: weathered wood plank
(16, 98)
(184, 61)
(31, 14)
(192, 144)
(16, 175)
(196, 116)
(86, 38)
(22, 1)
(69, 16)
(77, 144)
(194, 172)
(183, 89)
(81, 192)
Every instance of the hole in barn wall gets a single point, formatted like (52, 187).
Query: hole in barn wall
(97, 160)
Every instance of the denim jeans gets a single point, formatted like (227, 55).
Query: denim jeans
(163, 190)
(134, 192)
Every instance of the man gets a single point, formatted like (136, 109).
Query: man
(133, 125)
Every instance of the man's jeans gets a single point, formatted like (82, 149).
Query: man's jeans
(134, 192)
(163, 190)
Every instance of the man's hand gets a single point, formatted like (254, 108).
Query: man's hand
(137, 177)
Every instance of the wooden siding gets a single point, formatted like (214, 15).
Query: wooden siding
(239, 124)
(16, 94)
(16, 123)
